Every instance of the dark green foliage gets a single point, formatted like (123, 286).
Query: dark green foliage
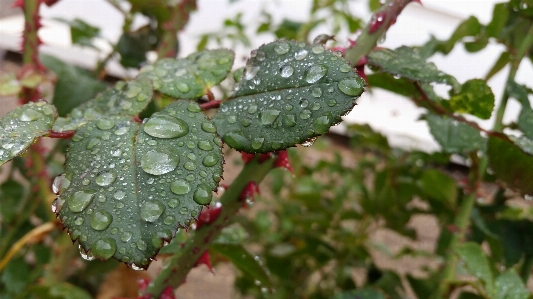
(454, 136)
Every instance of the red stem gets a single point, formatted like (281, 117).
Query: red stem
(61, 135)
(210, 105)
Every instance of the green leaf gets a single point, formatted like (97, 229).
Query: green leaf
(126, 98)
(500, 15)
(470, 27)
(475, 97)
(81, 32)
(366, 293)
(439, 186)
(407, 62)
(502, 61)
(525, 121)
(290, 92)
(16, 275)
(128, 186)
(61, 290)
(511, 163)
(477, 264)
(386, 81)
(19, 128)
(9, 85)
(68, 92)
(132, 46)
(11, 193)
(190, 77)
(244, 261)
(510, 286)
(374, 5)
(454, 136)
(519, 92)
(288, 29)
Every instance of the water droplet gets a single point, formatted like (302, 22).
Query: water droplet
(309, 142)
(250, 72)
(257, 143)
(316, 106)
(164, 126)
(126, 236)
(246, 122)
(260, 55)
(205, 145)
(252, 109)
(316, 92)
(317, 49)
(332, 102)
(136, 268)
(101, 220)
(60, 184)
(93, 142)
(300, 54)
(304, 103)
(151, 210)
(269, 116)
(235, 139)
(105, 124)
(322, 124)
(101, 198)
(133, 91)
(202, 195)
(189, 166)
(290, 119)
(169, 220)
(210, 160)
(30, 115)
(119, 195)
(121, 131)
(158, 163)
(305, 114)
(104, 248)
(351, 87)
(345, 68)
(78, 201)
(232, 119)
(194, 107)
(288, 107)
(85, 255)
(141, 245)
(315, 73)
(79, 220)
(282, 48)
(48, 111)
(183, 87)
(286, 71)
(105, 178)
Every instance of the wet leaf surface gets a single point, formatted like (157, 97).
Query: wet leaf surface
(453, 136)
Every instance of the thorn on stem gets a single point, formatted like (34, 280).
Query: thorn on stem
(206, 260)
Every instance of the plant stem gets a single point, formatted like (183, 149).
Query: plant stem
(516, 59)
(179, 18)
(375, 30)
(178, 266)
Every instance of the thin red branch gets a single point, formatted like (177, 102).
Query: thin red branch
(210, 105)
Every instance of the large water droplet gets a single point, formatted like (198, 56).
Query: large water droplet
(305, 114)
(85, 255)
(269, 116)
(180, 187)
(351, 87)
(126, 236)
(189, 166)
(93, 142)
(105, 178)
(121, 131)
(300, 54)
(100, 220)
(209, 127)
(104, 248)
(257, 143)
(202, 195)
(183, 87)
(315, 73)
(317, 49)
(286, 71)
(119, 195)
(141, 245)
(210, 160)
(205, 145)
(332, 102)
(158, 163)
(133, 91)
(322, 124)
(164, 126)
(78, 201)
(316, 92)
(290, 120)
(235, 139)
(345, 68)
(251, 71)
(61, 183)
(105, 124)
(252, 109)
(194, 107)
(30, 115)
(152, 210)
(282, 48)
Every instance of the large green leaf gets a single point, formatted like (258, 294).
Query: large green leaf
(244, 261)
(477, 264)
(126, 98)
(511, 163)
(19, 128)
(128, 186)
(408, 63)
(454, 136)
(290, 92)
(475, 97)
(510, 286)
(190, 77)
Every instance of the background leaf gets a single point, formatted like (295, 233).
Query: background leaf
(288, 94)
(510, 286)
(475, 97)
(127, 187)
(477, 264)
(439, 186)
(20, 127)
(453, 136)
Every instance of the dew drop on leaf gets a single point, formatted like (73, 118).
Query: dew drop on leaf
(205, 145)
(104, 248)
(300, 54)
(100, 220)
(210, 160)
(257, 143)
(209, 127)
(78, 201)
(30, 115)
(105, 124)
(202, 195)
(85, 255)
(126, 236)
(351, 87)
(164, 126)
(282, 48)
(158, 163)
(151, 211)
(105, 178)
(183, 87)
(251, 71)
(315, 73)
(286, 71)
(269, 116)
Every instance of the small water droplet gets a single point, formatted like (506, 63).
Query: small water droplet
(119, 195)
(93, 142)
(251, 72)
(210, 160)
(300, 54)
(189, 166)
(183, 87)
(316, 92)
(164, 126)
(304, 103)
(351, 87)
(315, 73)
(126, 236)
(316, 106)
(305, 114)
(252, 109)
(30, 115)
(290, 120)
(152, 210)
(158, 163)
(121, 131)
(141, 245)
(209, 127)
(232, 119)
(260, 55)
(332, 102)
(78, 201)
(282, 48)
(105, 178)
(257, 143)
(202, 195)
(205, 145)
(309, 142)
(133, 91)
(317, 49)
(85, 255)
(286, 71)
(104, 248)
(105, 124)
(345, 68)
(322, 124)
(79, 220)
(269, 116)
(100, 220)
